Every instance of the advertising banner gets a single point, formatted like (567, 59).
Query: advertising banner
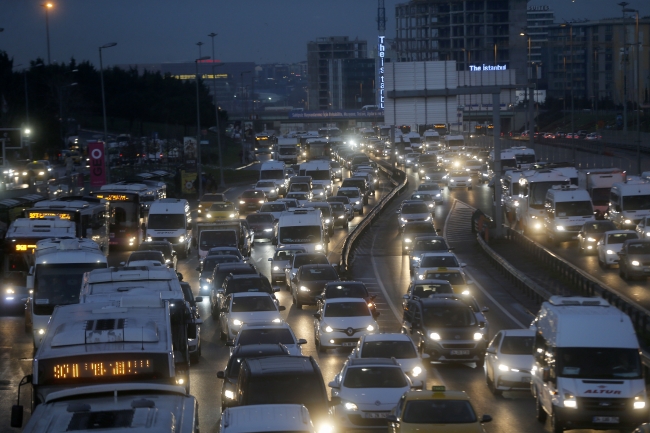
(97, 164)
(190, 150)
(188, 182)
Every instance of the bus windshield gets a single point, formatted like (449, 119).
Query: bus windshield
(271, 174)
(300, 234)
(318, 174)
(160, 221)
(59, 284)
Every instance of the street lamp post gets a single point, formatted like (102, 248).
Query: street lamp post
(47, 7)
(198, 126)
(625, 58)
(61, 107)
(216, 107)
(637, 53)
(101, 75)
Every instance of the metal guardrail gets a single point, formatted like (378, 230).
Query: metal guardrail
(578, 279)
(397, 178)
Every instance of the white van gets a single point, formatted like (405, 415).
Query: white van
(587, 372)
(629, 203)
(567, 209)
(302, 228)
(275, 171)
(170, 220)
(266, 418)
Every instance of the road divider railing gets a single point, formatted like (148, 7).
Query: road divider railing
(577, 279)
(399, 181)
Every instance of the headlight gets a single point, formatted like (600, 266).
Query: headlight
(272, 191)
(148, 238)
(41, 331)
(370, 328)
(452, 180)
(639, 401)
(319, 247)
(430, 204)
(327, 221)
(591, 240)
(350, 406)
(304, 289)
(181, 239)
(428, 218)
(437, 195)
(328, 328)
(559, 228)
(570, 400)
(277, 320)
(242, 202)
(628, 221)
(10, 291)
(180, 381)
(503, 367)
(408, 241)
(421, 277)
(232, 215)
(206, 287)
(357, 202)
(610, 252)
(209, 215)
(237, 322)
(634, 263)
(434, 336)
(538, 226)
(478, 336)
(343, 216)
(403, 219)
(41, 173)
(261, 201)
(229, 394)
(276, 268)
(416, 371)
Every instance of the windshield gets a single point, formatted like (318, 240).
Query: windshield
(447, 316)
(415, 208)
(318, 174)
(598, 363)
(388, 349)
(265, 336)
(299, 187)
(439, 262)
(260, 218)
(287, 151)
(271, 174)
(209, 263)
(429, 187)
(419, 228)
(242, 304)
(252, 194)
(636, 202)
(573, 208)
(253, 284)
(538, 192)
(308, 259)
(619, 238)
(423, 197)
(222, 207)
(438, 412)
(431, 245)
(425, 290)
(525, 159)
(517, 345)
(349, 193)
(166, 250)
(374, 377)
(638, 248)
(266, 184)
(346, 290)
(217, 238)
(125, 214)
(234, 363)
(600, 227)
(166, 221)
(289, 388)
(318, 274)
(600, 196)
(147, 255)
(59, 284)
(339, 207)
(346, 309)
(285, 254)
(273, 207)
(300, 234)
(298, 195)
(454, 278)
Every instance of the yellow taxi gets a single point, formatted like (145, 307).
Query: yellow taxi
(224, 210)
(456, 277)
(207, 200)
(433, 411)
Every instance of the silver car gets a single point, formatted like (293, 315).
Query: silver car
(356, 197)
(280, 260)
(412, 210)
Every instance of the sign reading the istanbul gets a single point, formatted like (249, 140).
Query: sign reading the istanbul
(484, 67)
(381, 50)
(538, 8)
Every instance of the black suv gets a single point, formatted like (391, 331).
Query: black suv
(309, 283)
(221, 271)
(349, 289)
(165, 247)
(446, 328)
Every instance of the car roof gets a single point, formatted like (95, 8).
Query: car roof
(430, 281)
(317, 266)
(442, 300)
(264, 325)
(246, 276)
(436, 395)
(518, 332)
(250, 295)
(343, 300)
(389, 336)
(362, 362)
(438, 254)
(259, 349)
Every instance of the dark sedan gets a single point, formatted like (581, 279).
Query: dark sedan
(309, 283)
(349, 289)
(263, 224)
(591, 232)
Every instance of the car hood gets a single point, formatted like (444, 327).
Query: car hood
(256, 316)
(460, 334)
(410, 216)
(373, 399)
(519, 362)
(350, 322)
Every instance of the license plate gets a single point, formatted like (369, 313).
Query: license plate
(606, 419)
(459, 352)
(375, 414)
(349, 344)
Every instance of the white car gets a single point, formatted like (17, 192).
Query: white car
(346, 202)
(435, 261)
(367, 388)
(280, 259)
(426, 197)
(269, 187)
(301, 197)
(412, 210)
(276, 208)
(354, 195)
(266, 417)
(459, 179)
(643, 228)
(244, 307)
(411, 159)
(340, 322)
(269, 333)
(398, 346)
(319, 192)
(610, 245)
(431, 188)
(509, 360)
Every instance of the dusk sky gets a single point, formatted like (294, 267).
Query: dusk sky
(260, 31)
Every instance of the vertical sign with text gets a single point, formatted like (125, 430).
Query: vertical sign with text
(381, 51)
(97, 163)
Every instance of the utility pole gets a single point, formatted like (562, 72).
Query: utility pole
(623, 5)
(216, 107)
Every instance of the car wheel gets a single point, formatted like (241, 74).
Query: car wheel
(214, 313)
(346, 225)
(222, 335)
(361, 211)
(481, 361)
(556, 424)
(601, 263)
(540, 413)
(320, 347)
(626, 275)
(298, 303)
(491, 386)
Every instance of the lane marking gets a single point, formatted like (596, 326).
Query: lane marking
(476, 283)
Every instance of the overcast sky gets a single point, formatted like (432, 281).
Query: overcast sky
(261, 31)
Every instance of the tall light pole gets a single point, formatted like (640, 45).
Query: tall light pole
(243, 145)
(101, 76)
(216, 108)
(636, 85)
(47, 7)
(198, 126)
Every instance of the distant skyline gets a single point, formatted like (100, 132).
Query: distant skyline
(162, 31)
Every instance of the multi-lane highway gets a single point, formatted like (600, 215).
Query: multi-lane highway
(377, 262)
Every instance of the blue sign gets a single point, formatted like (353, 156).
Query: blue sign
(335, 114)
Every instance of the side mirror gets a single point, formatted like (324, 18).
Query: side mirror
(122, 263)
(462, 265)
(301, 341)
(406, 296)
(391, 418)
(375, 314)
(486, 418)
(318, 297)
(287, 267)
(491, 350)
(221, 374)
(317, 315)
(180, 276)
(333, 384)
(372, 297)
(485, 310)
(270, 259)
(198, 299)
(282, 308)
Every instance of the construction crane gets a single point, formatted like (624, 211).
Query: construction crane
(381, 18)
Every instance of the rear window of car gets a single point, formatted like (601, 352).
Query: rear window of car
(415, 208)
(346, 290)
(252, 194)
(315, 274)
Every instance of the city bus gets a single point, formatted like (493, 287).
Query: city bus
(126, 212)
(91, 216)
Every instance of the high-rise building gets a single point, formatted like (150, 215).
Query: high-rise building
(476, 33)
(539, 19)
(352, 83)
(320, 54)
(597, 60)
